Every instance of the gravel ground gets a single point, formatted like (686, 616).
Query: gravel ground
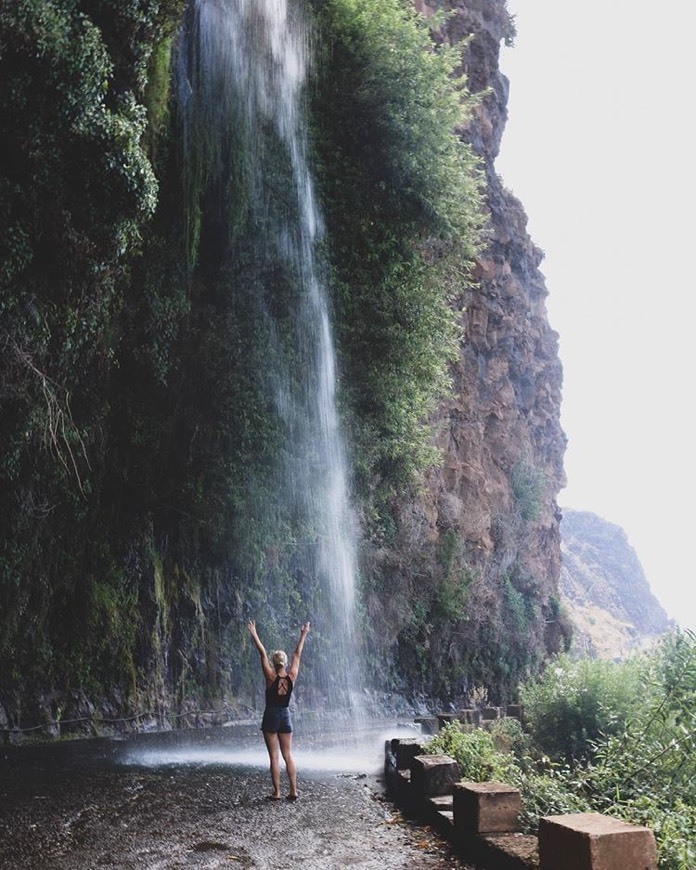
(198, 801)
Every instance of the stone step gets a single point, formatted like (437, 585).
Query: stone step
(442, 802)
(511, 851)
(441, 815)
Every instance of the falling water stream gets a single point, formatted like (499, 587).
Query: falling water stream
(243, 65)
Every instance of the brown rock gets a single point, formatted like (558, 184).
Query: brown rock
(405, 751)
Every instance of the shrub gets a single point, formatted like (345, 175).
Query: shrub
(674, 828)
(645, 772)
(571, 704)
(634, 725)
(622, 737)
(473, 750)
(527, 483)
(509, 737)
(546, 794)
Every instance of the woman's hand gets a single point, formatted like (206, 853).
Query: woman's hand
(295, 665)
(251, 625)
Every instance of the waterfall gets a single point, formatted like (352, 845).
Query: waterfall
(242, 75)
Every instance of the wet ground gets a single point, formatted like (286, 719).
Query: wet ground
(197, 800)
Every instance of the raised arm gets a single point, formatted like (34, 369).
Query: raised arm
(268, 671)
(295, 664)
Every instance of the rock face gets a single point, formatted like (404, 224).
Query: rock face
(495, 492)
(462, 586)
(508, 381)
(605, 590)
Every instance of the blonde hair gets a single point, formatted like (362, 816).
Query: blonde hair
(279, 659)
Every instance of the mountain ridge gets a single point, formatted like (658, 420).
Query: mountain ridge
(604, 589)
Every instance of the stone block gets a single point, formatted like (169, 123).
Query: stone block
(441, 802)
(402, 784)
(405, 750)
(446, 718)
(433, 775)
(470, 716)
(486, 807)
(593, 841)
(428, 724)
(514, 711)
(439, 813)
(489, 713)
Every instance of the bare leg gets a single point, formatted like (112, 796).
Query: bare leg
(286, 750)
(272, 747)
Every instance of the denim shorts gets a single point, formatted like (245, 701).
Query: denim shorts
(276, 720)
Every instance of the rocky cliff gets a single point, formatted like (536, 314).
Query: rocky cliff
(489, 509)
(139, 445)
(604, 589)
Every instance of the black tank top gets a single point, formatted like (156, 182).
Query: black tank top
(278, 693)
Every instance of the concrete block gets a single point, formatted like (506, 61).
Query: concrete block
(439, 813)
(441, 802)
(405, 750)
(593, 841)
(514, 711)
(428, 724)
(402, 783)
(433, 775)
(489, 713)
(486, 807)
(470, 716)
(446, 718)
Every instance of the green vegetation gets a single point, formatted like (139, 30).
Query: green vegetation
(574, 703)
(527, 484)
(474, 750)
(402, 196)
(76, 192)
(603, 737)
(139, 441)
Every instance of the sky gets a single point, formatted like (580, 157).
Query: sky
(600, 148)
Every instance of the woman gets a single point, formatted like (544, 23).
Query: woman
(276, 725)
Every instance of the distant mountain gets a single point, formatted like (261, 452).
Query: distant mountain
(604, 589)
